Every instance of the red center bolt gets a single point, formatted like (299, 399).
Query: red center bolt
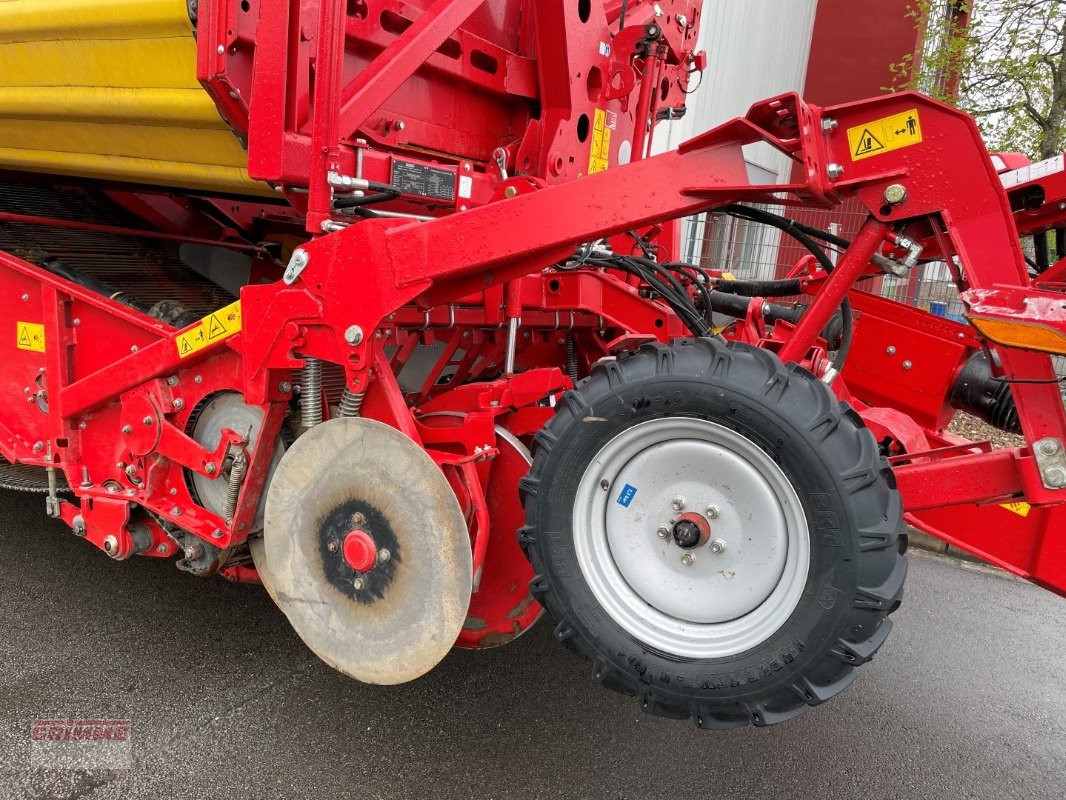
(360, 552)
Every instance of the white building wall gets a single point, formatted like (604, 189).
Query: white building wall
(755, 49)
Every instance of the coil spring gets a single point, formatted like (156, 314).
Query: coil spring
(311, 393)
(351, 402)
(571, 358)
(236, 478)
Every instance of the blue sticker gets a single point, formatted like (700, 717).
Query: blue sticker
(627, 495)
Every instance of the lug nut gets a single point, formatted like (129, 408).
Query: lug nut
(712, 512)
(678, 503)
(358, 518)
(687, 560)
(1050, 447)
(332, 547)
(663, 532)
(718, 546)
(384, 555)
(358, 584)
(194, 551)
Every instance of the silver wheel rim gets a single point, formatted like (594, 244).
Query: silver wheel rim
(719, 603)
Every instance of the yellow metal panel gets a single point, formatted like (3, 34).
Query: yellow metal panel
(106, 89)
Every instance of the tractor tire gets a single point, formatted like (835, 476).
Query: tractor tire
(715, 532)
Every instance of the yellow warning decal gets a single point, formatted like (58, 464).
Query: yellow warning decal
(29, 336)
(885, 135)
(213, 328)
(1021, 509)
(601, 140)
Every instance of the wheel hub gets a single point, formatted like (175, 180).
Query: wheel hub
(645, 543)
(691, 530)
(359, 550)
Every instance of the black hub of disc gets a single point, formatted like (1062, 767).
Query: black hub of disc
(335, 527)
(686, 534)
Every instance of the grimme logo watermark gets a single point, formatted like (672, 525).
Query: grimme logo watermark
(82, 744)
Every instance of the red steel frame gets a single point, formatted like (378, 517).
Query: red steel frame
(117, 393)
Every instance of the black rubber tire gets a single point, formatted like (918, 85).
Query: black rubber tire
(857, 568)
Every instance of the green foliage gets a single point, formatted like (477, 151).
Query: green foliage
(1008, 64)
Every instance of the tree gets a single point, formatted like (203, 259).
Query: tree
(1004, 61)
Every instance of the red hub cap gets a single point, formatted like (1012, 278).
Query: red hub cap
(360, 552)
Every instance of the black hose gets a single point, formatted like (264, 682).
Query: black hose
(797, 232)
(780, 288)
(382, 192)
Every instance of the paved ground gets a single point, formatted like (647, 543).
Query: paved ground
(967, 700)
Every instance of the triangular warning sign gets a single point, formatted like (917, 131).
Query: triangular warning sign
(215, 328)
(868, 143)
(185, 346)
(24, 337)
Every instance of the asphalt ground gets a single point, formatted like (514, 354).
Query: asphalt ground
(966, 700)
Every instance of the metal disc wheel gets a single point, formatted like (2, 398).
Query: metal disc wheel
(366, 551)
(714, 532)
(723, 590)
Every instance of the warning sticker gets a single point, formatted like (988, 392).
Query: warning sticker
(1021, 509)
(601, 141)
(213, 328)
(29, 336)
(626, 496)
(885, 135)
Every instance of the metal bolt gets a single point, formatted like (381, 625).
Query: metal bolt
(332, 547)
(895, 194)
(216, 534)
(688, 560)
(384, 555)
(466, 167)
(891, 350)
(161, 548)
(712, 512)
(127, 429)
(173, 491)
(131, 469)
(209, 468)
(358, 584)
(25, 298)
(179, 404)
(400, 125)
(133, 348)
(678, 503)
(682, 20)
(284, 387)
(111, 545)
(38, 447)
(175, 511)
(829, 124)
(76, 321)
(718, 546)
(1055, 477)
(1050, 447)
(907, 365)
(358, 518)
(663, 532)
(605, 484)
(510, 192)
(834, 171)
(353, 335)
(194, 551)
(221, 49)
(197, 379)
(147, 421)
(172, 380)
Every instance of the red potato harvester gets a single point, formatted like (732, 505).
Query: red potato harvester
(379, 303)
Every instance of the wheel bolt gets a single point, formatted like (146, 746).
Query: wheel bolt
(688, 559)
(663, 532)
(718, 546)
(358, 518)
(384, 555)
(713, 512)
(358, 584)
(332, 547)
(679, 503)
